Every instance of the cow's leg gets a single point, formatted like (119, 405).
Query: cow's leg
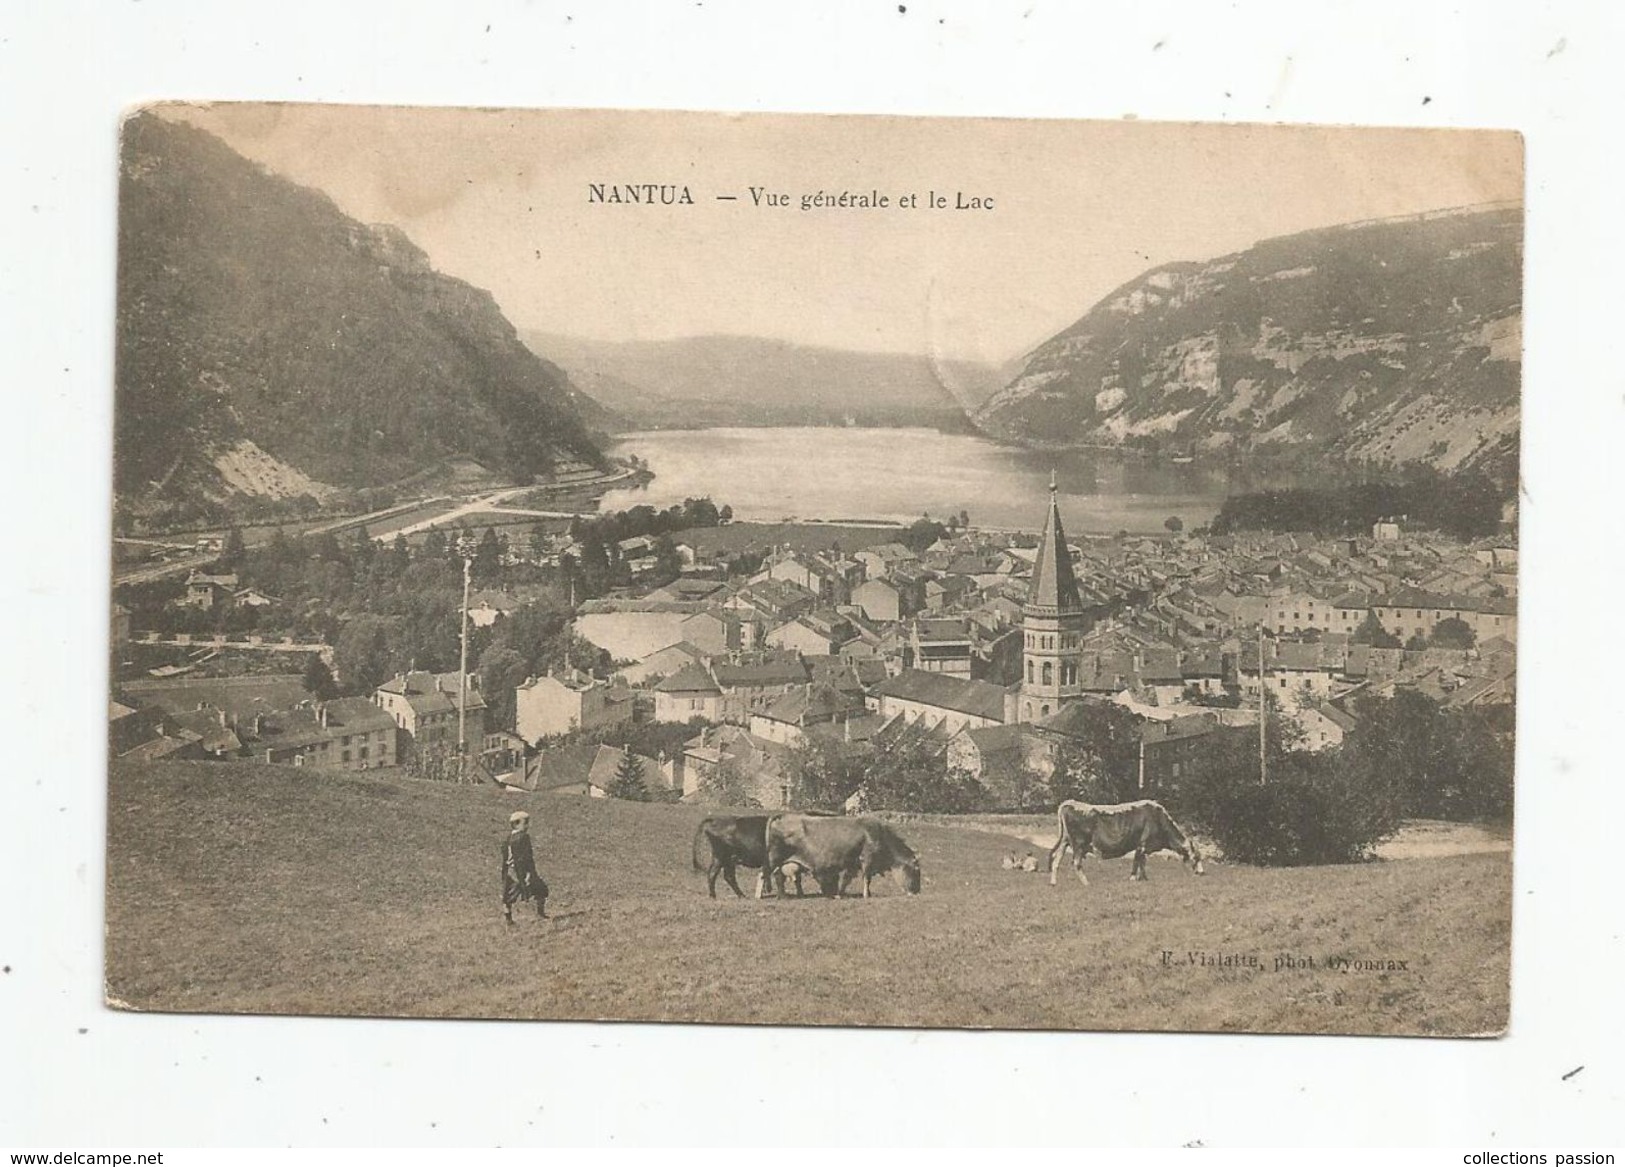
(1055, 855)
(1077, 862)
(711, 874)
(728, 874)
(1137, 871)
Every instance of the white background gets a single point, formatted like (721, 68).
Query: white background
(78, 1074)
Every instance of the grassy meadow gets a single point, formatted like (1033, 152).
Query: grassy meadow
(259, 889)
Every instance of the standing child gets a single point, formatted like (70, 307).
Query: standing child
(520, 879)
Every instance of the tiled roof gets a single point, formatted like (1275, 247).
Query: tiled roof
(941, 630)
(691, 678)
(428, 692)
(607, 763)
(301, 727)
(995, 739)
(772, 672)
(979, 698)
(565, 766)
(810, 703)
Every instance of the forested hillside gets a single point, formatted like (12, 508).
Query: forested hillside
(269, 345)
(1389, 342)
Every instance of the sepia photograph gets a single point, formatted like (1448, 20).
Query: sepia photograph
(814, 570)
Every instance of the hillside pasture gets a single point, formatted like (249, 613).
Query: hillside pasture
(258, 889)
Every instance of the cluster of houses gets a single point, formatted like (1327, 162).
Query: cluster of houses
(271, 718)
(213, 592)
(983, 649)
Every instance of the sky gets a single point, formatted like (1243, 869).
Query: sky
(502, 199)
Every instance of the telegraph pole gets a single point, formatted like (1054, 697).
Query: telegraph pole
(466, 549)
(1263, 711)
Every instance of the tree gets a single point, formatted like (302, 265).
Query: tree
(1315, 807)
(1439, 763)
(1453, 632)
(501, 670)
(1013, 787)
(363, 654)
(1099, 760)
(1174, 523)
(488, 556)
(318, 679)
(822, 773)
(650, 739)
(362, 549)
(728, 785)
(669, 562)
(232, 549)
(921, 533)
(1373, 633)
(725, 515)
(628, 781)
(911, 774)
(1417, 643)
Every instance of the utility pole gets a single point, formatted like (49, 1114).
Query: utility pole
(466, 549)
(1263, 711)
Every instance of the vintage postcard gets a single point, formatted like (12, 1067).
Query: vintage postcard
(814, 570)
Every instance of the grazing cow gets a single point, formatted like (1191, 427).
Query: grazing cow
(836, 851)
(734, 840)
(1114, 831)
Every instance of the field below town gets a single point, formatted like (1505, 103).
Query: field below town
(258, 889)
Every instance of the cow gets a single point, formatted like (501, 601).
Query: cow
(837, 851)
(1114, 831)
(734, 840)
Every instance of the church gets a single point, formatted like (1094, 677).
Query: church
(1054, 622)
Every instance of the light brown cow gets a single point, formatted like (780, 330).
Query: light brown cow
(1114, 831)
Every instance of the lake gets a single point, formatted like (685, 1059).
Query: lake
(896, 475)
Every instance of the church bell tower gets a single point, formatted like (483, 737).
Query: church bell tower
(1053, 623)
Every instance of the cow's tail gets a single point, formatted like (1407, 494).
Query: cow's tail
(699, 833)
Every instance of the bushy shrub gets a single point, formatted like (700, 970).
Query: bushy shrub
(1315, 808)
(1313, 815)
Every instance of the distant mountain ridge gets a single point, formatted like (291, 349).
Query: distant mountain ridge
(268, 344)
(1387, 341)
(745, 380)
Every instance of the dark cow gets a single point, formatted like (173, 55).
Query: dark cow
(1114, 831)
(733, 840)
(837, 851)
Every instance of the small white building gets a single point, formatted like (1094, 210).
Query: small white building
(553, 705)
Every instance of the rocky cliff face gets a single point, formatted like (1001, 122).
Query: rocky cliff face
(1391, 341)
(269, 344)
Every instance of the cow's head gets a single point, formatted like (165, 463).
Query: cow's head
(908, 874)
(1193, 856)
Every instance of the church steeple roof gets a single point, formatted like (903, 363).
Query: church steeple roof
(1054, 587)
